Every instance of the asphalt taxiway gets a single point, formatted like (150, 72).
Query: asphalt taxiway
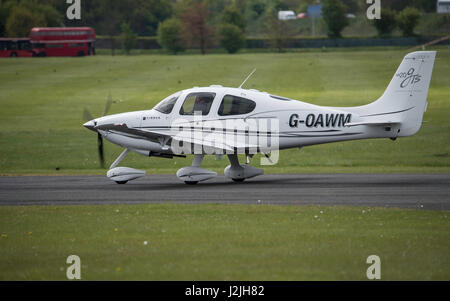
(420, 191)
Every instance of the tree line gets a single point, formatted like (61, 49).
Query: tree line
(180, 24)
(334, 14)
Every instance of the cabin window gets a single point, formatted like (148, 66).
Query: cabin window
(167, 104)
(197, 102)
(234, 105)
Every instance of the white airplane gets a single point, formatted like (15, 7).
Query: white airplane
(218, 120)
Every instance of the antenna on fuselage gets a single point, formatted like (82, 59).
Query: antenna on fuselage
(247, 78)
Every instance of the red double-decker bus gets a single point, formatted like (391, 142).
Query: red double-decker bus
(14, 47)
(62, 41)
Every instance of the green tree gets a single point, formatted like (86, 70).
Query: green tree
(333, 12)
(21, 20)
(231, 37)
(279, 5)
(53, 18)
(408, 19)
(396, 5)
(387, 23)
(352, 5)
(170, 35)
(233, 16)
(303, 6)
(198, 31)
(426, 5)
(255, 8)
(107, 16)
(5, 10)
(34, 12)
(127, 37)
(145, 15)
(277, 31)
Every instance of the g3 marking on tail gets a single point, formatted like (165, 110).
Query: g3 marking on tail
(320, 120)
(409, 78)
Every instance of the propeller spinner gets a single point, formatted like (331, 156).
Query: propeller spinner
(91, 123)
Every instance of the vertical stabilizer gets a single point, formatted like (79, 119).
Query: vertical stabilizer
(405, 99)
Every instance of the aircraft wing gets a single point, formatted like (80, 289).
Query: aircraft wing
(122, 128)
(215, 140)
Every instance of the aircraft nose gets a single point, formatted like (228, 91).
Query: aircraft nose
(90, 125)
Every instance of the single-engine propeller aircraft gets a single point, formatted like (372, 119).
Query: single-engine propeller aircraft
(218, 120)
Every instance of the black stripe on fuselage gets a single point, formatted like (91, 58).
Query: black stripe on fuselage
(388, 113)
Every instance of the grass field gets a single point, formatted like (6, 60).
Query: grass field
(42, 102)
(223, 242)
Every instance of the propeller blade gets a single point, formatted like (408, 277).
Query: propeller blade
(108, 104)
(100, 150)
(87, 115)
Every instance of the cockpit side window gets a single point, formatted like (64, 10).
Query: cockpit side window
(197, 102)
(167, 104)
(234, 105)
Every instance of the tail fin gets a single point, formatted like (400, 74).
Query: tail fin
(405, 99)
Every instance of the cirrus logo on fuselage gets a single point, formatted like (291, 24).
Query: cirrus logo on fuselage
(320, 120)
(409, 78)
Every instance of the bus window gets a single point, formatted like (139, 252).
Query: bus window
(76, 45)
(54, 45)
(24, 45)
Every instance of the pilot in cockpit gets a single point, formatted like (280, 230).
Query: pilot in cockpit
(202, 104)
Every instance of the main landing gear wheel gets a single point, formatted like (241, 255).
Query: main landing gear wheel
(191, 182)
(238, 180)
(191, 175)
(237, 172)
(121, 182)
